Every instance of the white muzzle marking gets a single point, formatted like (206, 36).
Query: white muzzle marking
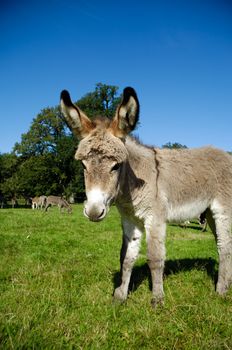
(95, 208)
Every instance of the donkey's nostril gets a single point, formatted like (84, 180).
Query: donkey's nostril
(102, 214)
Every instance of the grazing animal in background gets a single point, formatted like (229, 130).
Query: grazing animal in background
(59, 201)
(151, 187)
(202, 221)
(34, 202)
(38, 202)
(42, 202)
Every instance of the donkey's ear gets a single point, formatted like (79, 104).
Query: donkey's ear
(78, 122)
(127, 114)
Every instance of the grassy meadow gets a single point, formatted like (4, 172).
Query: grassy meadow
(58, 273)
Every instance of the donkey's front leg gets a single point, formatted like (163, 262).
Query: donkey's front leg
(155, 236)
(129, 253)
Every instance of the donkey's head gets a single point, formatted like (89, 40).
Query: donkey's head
(102, 150)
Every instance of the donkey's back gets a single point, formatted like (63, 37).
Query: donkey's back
(59, 201)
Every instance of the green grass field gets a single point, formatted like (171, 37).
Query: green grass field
(58, 273)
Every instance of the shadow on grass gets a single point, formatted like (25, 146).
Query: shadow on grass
(141, 273)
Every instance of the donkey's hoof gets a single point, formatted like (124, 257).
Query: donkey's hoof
(221, 289)
(157, 302)
(119, 296)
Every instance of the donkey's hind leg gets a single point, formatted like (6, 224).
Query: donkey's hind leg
(129, 253)
(222, 231)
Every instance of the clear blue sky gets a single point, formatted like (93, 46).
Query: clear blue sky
(176, 54)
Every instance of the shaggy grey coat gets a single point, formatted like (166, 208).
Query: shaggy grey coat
(151, 187)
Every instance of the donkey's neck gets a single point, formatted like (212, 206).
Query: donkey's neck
(141, 158)
(135, 175)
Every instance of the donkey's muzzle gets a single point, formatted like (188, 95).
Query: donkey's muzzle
(95, 213)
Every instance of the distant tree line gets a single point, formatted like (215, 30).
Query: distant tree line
(43, 162)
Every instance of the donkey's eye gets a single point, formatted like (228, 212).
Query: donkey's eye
(116, 166)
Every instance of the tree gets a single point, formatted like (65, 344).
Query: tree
(8, 179)
(49, 129)
(45, 161)
(102, 101)
(8, 165)
(45, 131)
(174, 145)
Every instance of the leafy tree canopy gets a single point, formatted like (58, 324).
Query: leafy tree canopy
(46, 129)
(174, 145)
(102, 101)
(43, 162)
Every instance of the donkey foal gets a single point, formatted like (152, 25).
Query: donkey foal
(150, 187)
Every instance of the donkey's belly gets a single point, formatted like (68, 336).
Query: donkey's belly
(184, 211)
